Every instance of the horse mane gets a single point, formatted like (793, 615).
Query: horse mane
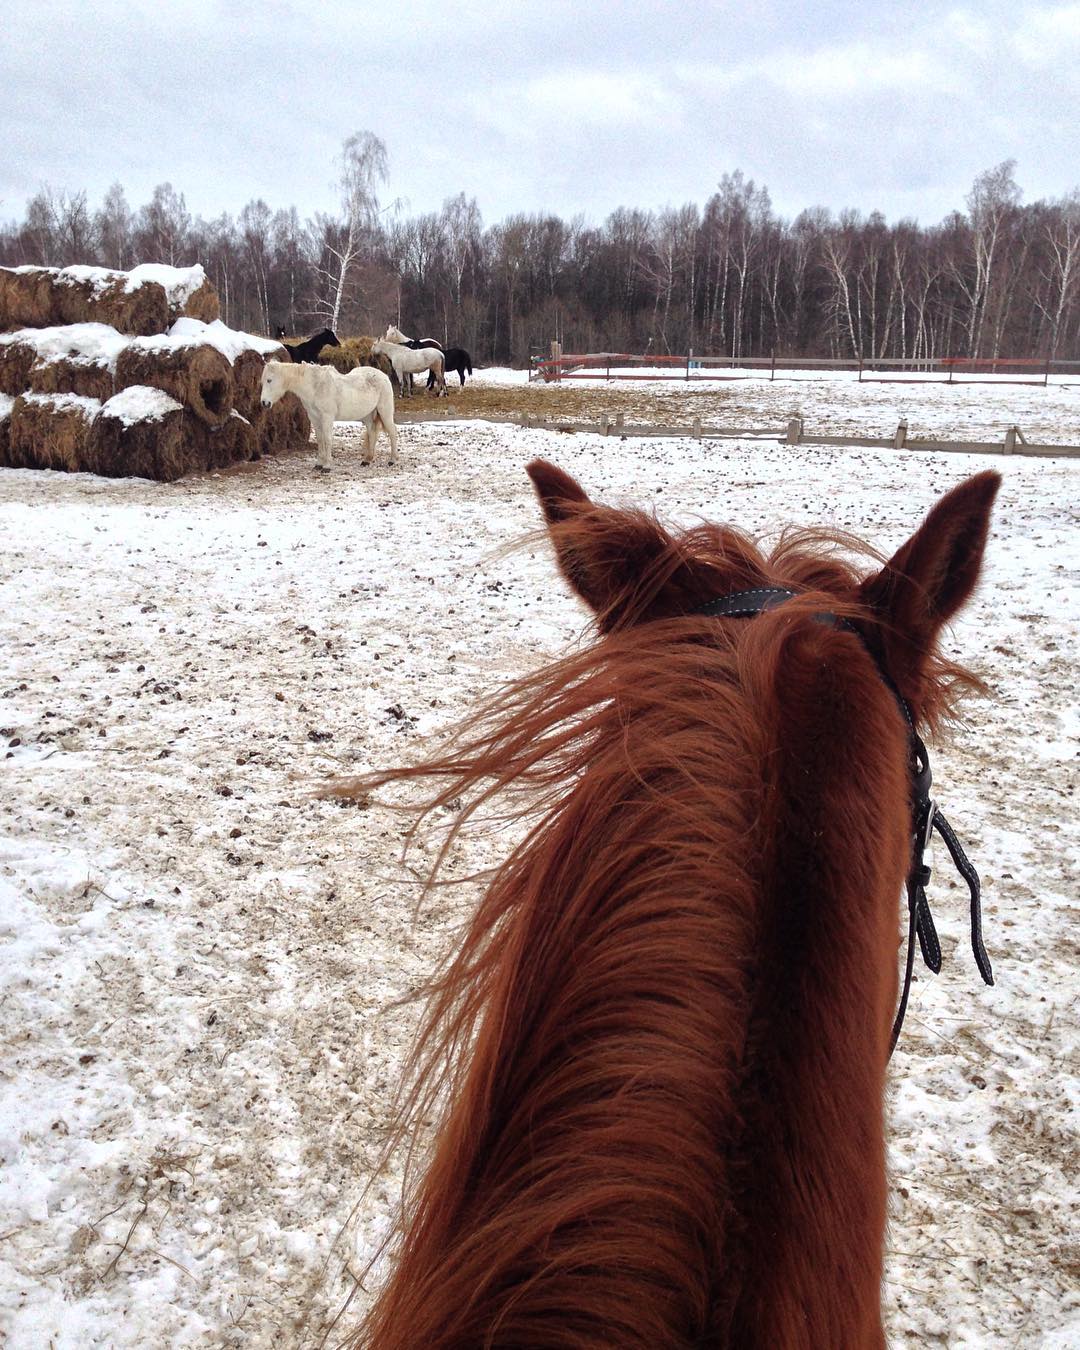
(632, 770)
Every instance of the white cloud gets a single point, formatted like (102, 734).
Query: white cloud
(1049, 37)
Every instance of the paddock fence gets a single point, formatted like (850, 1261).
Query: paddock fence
(693, 368)
(1013, 441)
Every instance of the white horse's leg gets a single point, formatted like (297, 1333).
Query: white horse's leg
(386, 418)
(371, 435)
(324, 439)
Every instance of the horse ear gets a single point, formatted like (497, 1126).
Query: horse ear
(555, 489)
(603, 552)
(929, 580)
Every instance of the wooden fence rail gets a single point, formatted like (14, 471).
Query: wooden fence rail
(1013, 441)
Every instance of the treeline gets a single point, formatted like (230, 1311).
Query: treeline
(1000, 278)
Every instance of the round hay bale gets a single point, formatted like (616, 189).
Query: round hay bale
(98, 295)
(233, 443)
(143, 433)
(71, 375)
(51, 431)
(202, 303)
(285, 426)
(247, 371)
(25, 297)
(194, 374)
(6, 405)
(17, 355)
(189, 291)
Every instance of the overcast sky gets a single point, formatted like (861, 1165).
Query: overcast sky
(544, 106)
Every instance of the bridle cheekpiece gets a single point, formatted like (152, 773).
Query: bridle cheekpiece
(926, 817)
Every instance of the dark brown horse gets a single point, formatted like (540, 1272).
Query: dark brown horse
(660, 1052)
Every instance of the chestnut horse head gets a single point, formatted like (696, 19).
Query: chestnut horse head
(660, 1052)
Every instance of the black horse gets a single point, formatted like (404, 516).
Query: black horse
(454, 358)
(309, 350)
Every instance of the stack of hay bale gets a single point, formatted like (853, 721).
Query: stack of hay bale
(131, 374)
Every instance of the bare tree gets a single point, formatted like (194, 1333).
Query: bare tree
(364, 166)
(112, 224)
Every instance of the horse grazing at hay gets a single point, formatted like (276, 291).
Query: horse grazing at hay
(454, 358)
(410, 361)
(308, 350)
(393, 334)
(363, 395)
(662, 1045)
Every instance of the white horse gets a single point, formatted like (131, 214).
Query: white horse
(410, 361)
(364, 395)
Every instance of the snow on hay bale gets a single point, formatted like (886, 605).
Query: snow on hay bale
(40, 297)
(74, 359)
(246, 353)
(51, 431)
(70, 359)
(189, 291)
(143, 433)
(195, 374)
(141, 302)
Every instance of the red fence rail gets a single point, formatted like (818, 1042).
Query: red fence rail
(691, 368)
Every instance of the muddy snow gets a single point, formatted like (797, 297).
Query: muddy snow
(198, 957)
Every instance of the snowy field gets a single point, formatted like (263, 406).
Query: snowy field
(196, 956)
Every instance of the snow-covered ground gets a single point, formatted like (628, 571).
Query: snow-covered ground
(197, 956)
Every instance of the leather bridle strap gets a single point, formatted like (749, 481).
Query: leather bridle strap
(925, 816)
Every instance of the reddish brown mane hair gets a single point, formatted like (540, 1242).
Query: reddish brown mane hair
(660, 1050)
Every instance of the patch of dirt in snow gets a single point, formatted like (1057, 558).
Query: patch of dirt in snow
(837, 405)
(201, 958)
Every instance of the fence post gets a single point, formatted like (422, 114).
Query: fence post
(772, 368)
(900, 440)
(695, 429)
(605, 426)
(1046, 373)
(1010, 440)
(794, 430)
(689, 354)
(860, 367)
(556, 356)
(619, 423)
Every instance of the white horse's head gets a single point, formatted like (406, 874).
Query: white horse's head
(394, 334)
(273, 382)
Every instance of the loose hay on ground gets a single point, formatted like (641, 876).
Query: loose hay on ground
(356, 351)
(194, 374)
(51, 431)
